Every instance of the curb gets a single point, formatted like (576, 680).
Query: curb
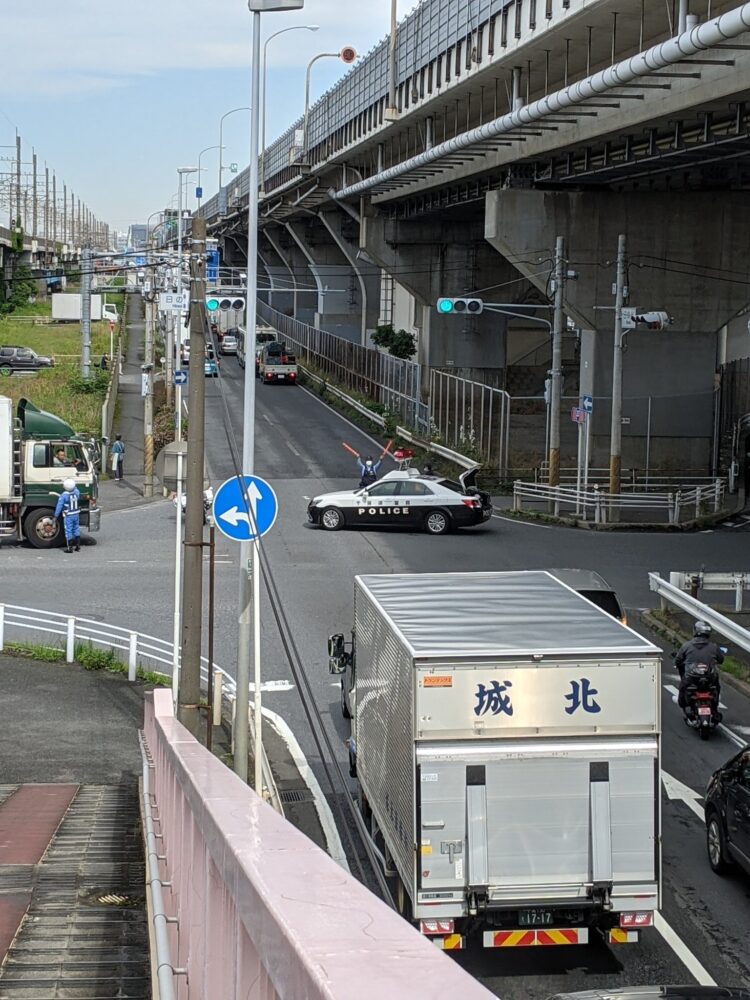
(679, 637)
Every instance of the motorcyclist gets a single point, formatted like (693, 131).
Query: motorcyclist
(68, 506)
(700, 650)
(368, 471)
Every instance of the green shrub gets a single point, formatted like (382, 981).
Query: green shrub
(97, 659)
(96, 384)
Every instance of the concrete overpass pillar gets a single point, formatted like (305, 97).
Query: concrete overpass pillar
(303, 296)
(339, 305)
(281, 282)
(442, 256)
(344, 231)
(688, 254)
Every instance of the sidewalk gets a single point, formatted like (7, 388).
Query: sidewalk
(129, 419)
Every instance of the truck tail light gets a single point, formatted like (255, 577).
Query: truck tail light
(644, 919)
(434, 928)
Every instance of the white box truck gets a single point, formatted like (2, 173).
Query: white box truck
(66, 308)
(505, 739)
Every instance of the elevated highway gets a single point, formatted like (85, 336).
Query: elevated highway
(517, 121)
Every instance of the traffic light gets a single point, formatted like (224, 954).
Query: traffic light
(216, 302)
(472, 307)
(653, 320)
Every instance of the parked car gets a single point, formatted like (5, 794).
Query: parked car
(20, 359)
(691, 992)
(593, 587)
(728, 815)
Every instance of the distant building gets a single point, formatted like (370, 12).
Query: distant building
(137, 237)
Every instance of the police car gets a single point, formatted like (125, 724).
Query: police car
(405, 497)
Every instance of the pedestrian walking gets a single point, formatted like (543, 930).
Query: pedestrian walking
(68, 507)
(118, 457)
(104, 364)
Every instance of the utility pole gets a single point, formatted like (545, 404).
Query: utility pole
(65, 214)
(615, 452)
(188, 700)
(556, 371)
(148, 404)
(34, 203)
(86, 312)
(392, 60)
(54, 212)
(18, 179)
(46, 208)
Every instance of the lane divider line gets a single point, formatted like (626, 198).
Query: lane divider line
(681, 950)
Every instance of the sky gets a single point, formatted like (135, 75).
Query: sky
(116, 96)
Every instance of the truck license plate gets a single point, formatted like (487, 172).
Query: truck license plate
(535, 918)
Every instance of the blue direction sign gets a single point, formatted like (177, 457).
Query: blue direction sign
(180, 377)
(140, 261)
(587, 404)
(245, 517)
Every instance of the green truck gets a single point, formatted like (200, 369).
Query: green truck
(38, 452)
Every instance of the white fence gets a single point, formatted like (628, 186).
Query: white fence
(670, 594)
(598, 505)
(471, 416)
(694, 582)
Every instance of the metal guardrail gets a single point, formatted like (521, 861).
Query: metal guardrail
(669, 594)
(632, 479)
(694, 582)
(139, 649)
(254, 904)
(599, 503)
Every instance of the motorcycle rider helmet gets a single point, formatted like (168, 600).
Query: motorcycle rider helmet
(701, 629)
(69, 485)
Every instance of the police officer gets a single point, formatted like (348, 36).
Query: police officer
(699, 649)
(368, 470)
(68, 506)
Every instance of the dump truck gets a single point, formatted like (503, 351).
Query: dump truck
(38, 452)
(505, 742)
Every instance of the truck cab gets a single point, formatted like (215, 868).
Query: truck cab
(38, 452)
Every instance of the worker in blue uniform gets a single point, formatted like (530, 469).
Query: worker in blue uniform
(68, 506)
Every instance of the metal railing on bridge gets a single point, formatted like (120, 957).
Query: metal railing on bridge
(471, 417)
(597, 505)
(392, 382)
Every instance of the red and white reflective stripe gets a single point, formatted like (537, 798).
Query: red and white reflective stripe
(532, 939)
(432, 927)
(644, 918)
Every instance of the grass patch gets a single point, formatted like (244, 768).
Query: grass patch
(35, 651)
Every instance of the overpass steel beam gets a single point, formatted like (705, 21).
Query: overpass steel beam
(621, 75)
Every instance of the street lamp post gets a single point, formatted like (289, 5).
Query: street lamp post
(206, 150)
(221, 140)
(249, 582)
(174, 349)
(321, 55)
(295, 27)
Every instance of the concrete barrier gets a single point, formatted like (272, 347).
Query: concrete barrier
(263, 913)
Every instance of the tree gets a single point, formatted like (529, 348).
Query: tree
(20, 289)
(398, 343)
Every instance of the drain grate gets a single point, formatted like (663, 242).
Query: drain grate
(296, 795)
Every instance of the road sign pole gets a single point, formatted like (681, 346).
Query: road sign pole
(615, 454)
(556, 371)
(579, 456)
(249, 583)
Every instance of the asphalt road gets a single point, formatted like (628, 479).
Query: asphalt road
(127, 579)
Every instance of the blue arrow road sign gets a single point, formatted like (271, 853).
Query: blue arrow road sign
(587, 404)
(180, 377)
(239, 517)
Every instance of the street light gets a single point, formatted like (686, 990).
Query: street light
(206, 150)
(248, 632)
(346, 55)
(295, 27)
(221, 139)
(174, 346)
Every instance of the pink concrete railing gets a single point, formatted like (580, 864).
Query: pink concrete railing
(261, 911)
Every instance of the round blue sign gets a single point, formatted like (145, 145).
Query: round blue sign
(245, 509)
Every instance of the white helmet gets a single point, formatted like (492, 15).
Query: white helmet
(69, 485)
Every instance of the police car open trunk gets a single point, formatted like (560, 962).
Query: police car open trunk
(506, 739)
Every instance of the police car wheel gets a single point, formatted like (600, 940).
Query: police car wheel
(332, 519)
(437, 522)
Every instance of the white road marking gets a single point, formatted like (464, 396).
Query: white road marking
(677, 791)
(529, 524)
(743, 730)
(335, 847)
(359, 430)
(681, 950)
(737, 740)
(120, 561)
(291, 448)
(274, 686)
(267, 419)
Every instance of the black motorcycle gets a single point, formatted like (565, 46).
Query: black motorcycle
(701, 696)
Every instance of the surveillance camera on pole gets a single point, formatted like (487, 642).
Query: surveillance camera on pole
(461, 307)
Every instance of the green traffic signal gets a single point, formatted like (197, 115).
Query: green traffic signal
(445, 306)
(212, 305)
